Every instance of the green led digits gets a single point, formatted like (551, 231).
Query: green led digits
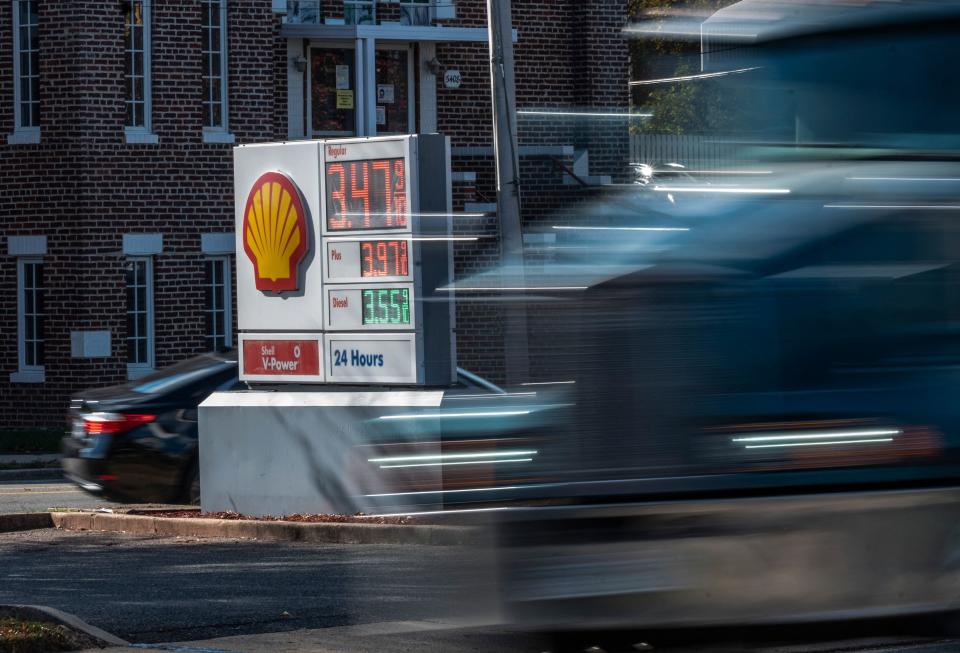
(386, 306)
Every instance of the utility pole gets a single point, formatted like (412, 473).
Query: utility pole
(503, 90)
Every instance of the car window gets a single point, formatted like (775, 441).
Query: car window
(183, 374)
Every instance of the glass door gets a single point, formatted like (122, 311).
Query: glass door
(333, 92)
(394, 105)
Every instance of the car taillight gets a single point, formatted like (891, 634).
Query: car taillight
(100, 423)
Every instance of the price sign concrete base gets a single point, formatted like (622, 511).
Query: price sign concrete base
(282, 453)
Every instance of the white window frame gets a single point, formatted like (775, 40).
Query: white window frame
(25, 373)
(224, 262)
(220, 133)
(143, 133)
(30, 133)
(137, 370)
(365, 93)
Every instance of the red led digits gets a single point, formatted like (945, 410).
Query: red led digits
(404, 266)
(400, 192)
(374, 190)
(337, 204)
(366, 265)
(361, 193)
(384, 258)
(384, 167)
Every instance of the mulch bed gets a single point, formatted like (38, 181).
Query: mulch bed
(310, 519)
(19, 635)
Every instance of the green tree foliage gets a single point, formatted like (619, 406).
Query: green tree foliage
(679, 107)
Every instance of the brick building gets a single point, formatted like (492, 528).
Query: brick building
(118, 118)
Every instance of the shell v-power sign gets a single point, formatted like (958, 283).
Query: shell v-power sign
(347, 261)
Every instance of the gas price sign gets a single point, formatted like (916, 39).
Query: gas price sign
(354, 260)
(368, 307)
(374, 223)
(386, 306)
(384, 258)
(367, 194)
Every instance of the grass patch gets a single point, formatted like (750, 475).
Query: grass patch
(31, 441)
(26, 636)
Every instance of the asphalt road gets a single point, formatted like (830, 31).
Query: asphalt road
(147, 589)
(243, 596)
(39, 496)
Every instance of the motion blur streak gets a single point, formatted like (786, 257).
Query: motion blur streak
(815, 436)
(583, 114)
(686, 78)
(813, 444)
(453, 456)
(471, 462)
(722, 189)
(900, 207)
(570, 228)
(499, 413)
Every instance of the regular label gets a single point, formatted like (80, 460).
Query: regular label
(281, 357)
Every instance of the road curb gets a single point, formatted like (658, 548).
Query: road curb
(25, 521)
(266, 530)
(33, 474)
(43, 613)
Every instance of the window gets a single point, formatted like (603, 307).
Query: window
(140, 356)
(26, 88)
(136, 34)
(364, 95)
(30, 296)
(217, 301)
(359, 12)
(415, 12)
(215, 70)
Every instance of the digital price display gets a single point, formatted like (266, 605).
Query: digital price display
(384, 258)
(388, 306)
(366, 194)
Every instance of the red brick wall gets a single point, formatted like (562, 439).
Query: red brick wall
(84, 187)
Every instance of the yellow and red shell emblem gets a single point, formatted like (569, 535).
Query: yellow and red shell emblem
(275, 232)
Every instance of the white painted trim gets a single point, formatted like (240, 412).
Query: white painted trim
(214, 244)
(24, 136)
(139, 135)
(142, 244)
(28, 376)
(26, 245)
(217, 135)
(90, 344)
(298, 116)
(428, 89)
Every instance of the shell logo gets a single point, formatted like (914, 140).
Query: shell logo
(275, 232)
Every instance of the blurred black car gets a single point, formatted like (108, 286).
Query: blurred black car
(137, 442)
